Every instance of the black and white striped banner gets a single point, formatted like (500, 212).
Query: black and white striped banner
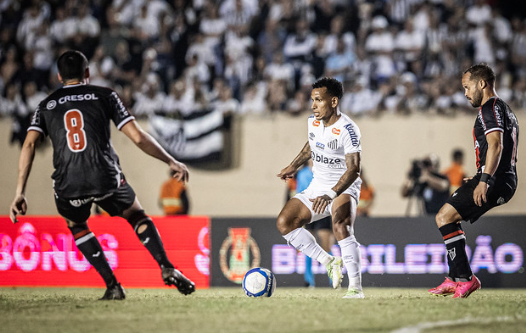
(197, 137)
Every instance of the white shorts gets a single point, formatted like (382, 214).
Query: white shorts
(314, 191)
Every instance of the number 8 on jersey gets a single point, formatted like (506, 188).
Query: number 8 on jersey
(76, 137)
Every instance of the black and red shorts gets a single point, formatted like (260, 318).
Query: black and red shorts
(501, 190)
(78, 210)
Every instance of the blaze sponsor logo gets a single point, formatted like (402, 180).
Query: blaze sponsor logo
(336, 131)
(334, 163)
(333, 144)
(352, 134)
(316, 123)
(320, 145)
(77, 98)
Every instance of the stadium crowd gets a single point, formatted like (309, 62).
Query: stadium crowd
(260, 57)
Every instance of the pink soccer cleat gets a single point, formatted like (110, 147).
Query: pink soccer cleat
(464, 289)
(447, 287)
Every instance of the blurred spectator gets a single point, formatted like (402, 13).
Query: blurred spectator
(337, 33)
(32, 96)
(367, 195)
(177, 103)
(479, 13)
(455, 173)
(254, 99)
(339, 64)
(298, 104)
(426, 185)
(380, 45)
(173, 197)
(228, 105)
(238, 40)
(299, 45)
(238, 13)
(9, 66)
(278, 69)
(150, 101)
(360, 100)
(408, 44)
(271, 39)
(13, 106)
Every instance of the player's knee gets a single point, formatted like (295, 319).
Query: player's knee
(340, 226)
(286, 224)
(138, 221)
(443, 217)
(282, 225)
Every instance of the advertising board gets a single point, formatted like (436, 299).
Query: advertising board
(40, 251)
(396, 252)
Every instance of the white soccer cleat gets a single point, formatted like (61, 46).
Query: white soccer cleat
(354, 293)
(334, 270)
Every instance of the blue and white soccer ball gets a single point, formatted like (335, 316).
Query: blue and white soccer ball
(259, 282)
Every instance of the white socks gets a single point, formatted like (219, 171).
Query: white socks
(352, 261)
(305, 242)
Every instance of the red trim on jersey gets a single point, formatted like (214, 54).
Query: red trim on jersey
(477, 151)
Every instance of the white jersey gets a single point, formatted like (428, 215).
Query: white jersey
(329, 145)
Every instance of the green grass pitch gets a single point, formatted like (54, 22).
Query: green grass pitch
(289, 310)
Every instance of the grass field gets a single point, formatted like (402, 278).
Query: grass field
(289, 310)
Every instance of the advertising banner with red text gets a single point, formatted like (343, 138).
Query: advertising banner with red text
(40, 251)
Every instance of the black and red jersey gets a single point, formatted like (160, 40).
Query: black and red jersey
(496, 115)
(77, 119)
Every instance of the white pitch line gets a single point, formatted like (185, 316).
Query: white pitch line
(419, 328)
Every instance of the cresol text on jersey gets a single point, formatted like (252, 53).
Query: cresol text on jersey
(77, 98)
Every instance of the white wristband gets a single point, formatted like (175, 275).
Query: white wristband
(332, 194)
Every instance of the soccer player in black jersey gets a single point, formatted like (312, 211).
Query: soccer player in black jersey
(77, 119)
(496, 135)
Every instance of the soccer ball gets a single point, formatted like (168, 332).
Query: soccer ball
(259, 282)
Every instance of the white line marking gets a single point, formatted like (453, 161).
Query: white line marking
(418, 328)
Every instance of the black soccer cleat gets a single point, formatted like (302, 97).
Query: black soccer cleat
(173, 277)
(115, 293)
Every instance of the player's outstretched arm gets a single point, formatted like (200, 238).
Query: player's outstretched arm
(289, 171)
(151, 147)
(27, 155)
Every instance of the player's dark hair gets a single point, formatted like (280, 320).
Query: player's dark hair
(481, 71)
(72, 65)
(334, 87)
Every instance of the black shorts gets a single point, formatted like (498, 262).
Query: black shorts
(500, 191)
(78, 210)
(324, 223)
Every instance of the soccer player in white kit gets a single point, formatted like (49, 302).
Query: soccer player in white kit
(334, 146)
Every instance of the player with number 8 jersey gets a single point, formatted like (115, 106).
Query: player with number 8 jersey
(76, 118)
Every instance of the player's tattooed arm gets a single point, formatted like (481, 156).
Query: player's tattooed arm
(353, 162)
(297, 162)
